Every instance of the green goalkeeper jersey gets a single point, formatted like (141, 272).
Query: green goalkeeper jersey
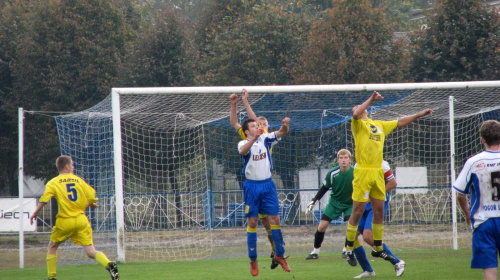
(340, 184)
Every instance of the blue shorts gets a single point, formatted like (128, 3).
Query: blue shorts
(366, 220)
(261, 198)
(486, 244)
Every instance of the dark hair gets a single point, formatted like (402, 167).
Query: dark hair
(62, 161)
(244, 126)
(490, 131)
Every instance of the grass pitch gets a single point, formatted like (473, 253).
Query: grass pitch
(432, 264)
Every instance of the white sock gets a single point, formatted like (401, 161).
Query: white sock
(344, 249)
(315, 251)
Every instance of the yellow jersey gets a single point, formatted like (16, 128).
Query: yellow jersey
(242, 134)
(73, 195)
(369, 137)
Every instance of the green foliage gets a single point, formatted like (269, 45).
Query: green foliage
(158, 56)
(461, 43)
(63, 57)
(398, 13)
(351, 43)
(256, 44)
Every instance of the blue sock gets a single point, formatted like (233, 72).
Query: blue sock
(252, 245)
(362, 259)
(278, 241)
(396, 260)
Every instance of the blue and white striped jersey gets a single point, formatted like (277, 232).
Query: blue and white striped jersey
(480, 177)
(258, 164)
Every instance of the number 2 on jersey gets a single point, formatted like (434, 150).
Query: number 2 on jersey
(72, 194)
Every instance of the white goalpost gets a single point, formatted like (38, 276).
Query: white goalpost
(165, 165)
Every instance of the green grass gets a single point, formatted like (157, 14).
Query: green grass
(436, 265)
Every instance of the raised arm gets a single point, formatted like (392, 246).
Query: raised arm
(250, 112)
(233, 119)
(407, 120)
(358, 110)
(284, 128)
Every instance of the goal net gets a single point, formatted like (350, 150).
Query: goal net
(165, 165)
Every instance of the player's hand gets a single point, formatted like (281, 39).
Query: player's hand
(377, 96)
(285, 121)
(233, 98)
(33, 218)
(427, 112)
(244, 96)
(259, 132)
(310, 206)
(93, 205)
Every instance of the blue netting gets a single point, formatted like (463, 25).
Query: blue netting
(313, 111)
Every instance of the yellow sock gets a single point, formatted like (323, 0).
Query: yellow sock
(252, 230)
(378, 234)
(102, 259)
(51, 265)
(357, 244)
(271, 240)
(351, 235)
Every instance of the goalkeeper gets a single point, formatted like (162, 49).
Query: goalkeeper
(263, 124)
(339, 180)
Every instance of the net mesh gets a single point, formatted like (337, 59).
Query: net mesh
(182, 172)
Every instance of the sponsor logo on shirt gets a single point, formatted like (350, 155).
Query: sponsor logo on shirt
(259, 156)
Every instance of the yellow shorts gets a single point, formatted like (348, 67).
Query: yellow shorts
(368, 182)
(77, 228)
(262, 216)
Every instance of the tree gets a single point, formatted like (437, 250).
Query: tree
(461, 44)
(351, 43)
(159, 55)
(8, 145)
(256, 44)
(63, 56)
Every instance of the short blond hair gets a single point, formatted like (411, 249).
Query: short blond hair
(62, 161)
(344, 152)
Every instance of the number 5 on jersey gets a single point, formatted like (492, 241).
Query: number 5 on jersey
(72, 194)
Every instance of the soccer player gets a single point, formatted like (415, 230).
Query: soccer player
(262, 122)
(260, 191)
(73, 196)
(480, 177)
(368, 184)
(365, 228)
(339, 180)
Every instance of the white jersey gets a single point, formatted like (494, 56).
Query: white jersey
(481, 178)
(258, 164)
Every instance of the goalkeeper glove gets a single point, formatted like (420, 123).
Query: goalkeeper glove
(310, 206)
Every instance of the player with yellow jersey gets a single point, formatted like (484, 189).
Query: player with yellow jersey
(368, 183)
(73, 196)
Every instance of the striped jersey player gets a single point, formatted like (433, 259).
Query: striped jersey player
(480, 177)
(259, 189)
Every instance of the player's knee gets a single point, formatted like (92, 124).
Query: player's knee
(368, 238)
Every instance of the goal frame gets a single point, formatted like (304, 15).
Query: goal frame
(117, 142)
(117, 137)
